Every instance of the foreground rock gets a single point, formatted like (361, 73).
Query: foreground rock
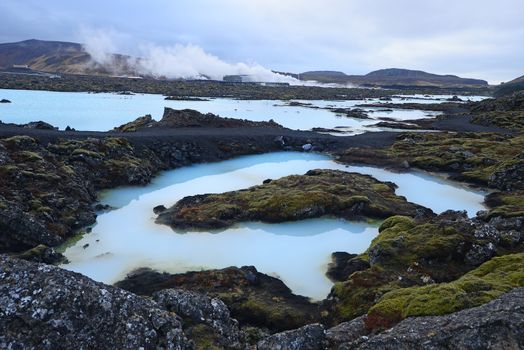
(415, 258)
(310, 337)
(496, 325)
(189, 118)
(253, 298)
(42, 306)
(206, 320)
(317, 193)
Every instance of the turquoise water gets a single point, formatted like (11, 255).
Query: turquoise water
(104, 111)
(296, 252)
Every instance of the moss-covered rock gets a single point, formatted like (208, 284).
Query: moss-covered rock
(47, 189)
(317, 193)
(505, 204)
(410, 252)
(253, 298)
(483, 159)
(477, 287)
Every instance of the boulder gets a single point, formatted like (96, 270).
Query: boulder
(200, 309)
(310, 337)
(43, 306)
(39, 125)
(496, 325)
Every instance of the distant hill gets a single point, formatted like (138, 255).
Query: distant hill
(510, 87)
(392, 77)
(57, 57)
(68, 57)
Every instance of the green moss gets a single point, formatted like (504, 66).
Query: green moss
(204, 337)
(85, 152)
(405, 253)
(70, 242)
(67, 170)
(475, 156)
(401, 243)
(477, 287)
(19, 139)
(505, 204)
(318, 193)
(28, 156)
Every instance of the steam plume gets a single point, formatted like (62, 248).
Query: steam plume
(178, 61)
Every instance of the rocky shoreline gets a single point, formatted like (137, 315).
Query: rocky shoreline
(349, 196)
(414, 280)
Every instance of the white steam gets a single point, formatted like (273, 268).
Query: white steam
(99, 45)
(174, 62)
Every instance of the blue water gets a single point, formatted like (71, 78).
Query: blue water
(297, 252)
(104, 111)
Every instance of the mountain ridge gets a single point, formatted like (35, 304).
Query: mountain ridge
(392, 76)
(72, 58)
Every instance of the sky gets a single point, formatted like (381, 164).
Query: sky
(479, 39)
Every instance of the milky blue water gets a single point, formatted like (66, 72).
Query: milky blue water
(297, 252)
(104, 111)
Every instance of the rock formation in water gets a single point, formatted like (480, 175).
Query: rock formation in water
(317, 193)
(254, 298)
(189, 118)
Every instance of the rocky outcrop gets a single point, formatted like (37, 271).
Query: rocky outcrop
(346, 332)
(47, 191)
(189, 118)
(206, 320)
(431, 107)
(480, 159)
(186, 98)
(356, 113)
(45, 307)
(317, 193)
(343, 265)
(253, 298)
(395, 125)
(39, 125)
(41, 254)
(310, 337)
(139, 123)
(496, 325)
(422, 253)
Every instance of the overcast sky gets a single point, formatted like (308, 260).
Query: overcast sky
(471, 38)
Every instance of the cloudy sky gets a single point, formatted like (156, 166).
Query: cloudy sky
(472, 38)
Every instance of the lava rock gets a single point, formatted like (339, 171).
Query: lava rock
(310, 337)
(496, 325)
(199, 308)
(43, 306)
(159, 209)
(346, 332)
(343, 265)
(40, 125)
(42, 254)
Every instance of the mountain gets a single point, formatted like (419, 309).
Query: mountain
(510, 87)
(392, 77)
(68, 57)
(58, 57)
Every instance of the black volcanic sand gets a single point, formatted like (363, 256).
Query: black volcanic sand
(146, 137)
